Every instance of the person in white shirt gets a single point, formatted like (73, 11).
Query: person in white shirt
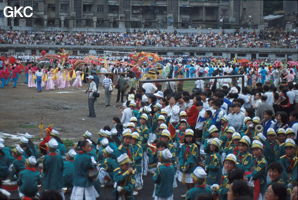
(236, 117)
(270, 96)
(127, 112)
(91, 98)
(149, 88)
(200, 84)
(173, 111)
(256, 100)
(108, 87)
(39, 75)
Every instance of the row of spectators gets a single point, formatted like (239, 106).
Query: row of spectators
(263, 39)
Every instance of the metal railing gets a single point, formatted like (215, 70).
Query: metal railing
(192, 79)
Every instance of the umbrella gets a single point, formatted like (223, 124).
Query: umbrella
(243, 61)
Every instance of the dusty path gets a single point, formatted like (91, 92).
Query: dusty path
(22, 109)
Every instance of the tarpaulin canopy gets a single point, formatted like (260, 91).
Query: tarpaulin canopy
(272, 17)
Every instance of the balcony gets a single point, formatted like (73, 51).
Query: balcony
(113, 2)
(113, 15)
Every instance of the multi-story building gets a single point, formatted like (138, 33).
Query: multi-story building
(140, 13)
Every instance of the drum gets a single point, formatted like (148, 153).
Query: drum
(10, 186)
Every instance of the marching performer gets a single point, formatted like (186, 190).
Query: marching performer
(188, 159)
(124, 178)
(137, 155)
(82, 181)
(199, 178)
(29, 179)
(164, 176)
(258, 175)
(53, 169)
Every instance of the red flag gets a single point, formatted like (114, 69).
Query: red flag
(172, 130)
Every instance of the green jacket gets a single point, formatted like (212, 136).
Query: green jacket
(68, 172)
(4, 165)
(28, 182)
(271, 151)
(17, 166)
(137, 156)
(213, 164)
(52, 172)
(188, 157)
(259, 171)
(110, 164)
(290, 168)
(82, 164)
(163, 178)
(126, 181)
(144, 136)
(245, 160)
(194, 192)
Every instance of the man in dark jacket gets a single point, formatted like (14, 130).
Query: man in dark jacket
(121, 86)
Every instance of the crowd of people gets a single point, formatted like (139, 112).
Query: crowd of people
(220, 142)
(262, 39)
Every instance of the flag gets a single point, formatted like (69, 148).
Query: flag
(172, 130)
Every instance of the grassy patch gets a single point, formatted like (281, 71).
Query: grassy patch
(188, 85)
(68, 143)
(28, 126)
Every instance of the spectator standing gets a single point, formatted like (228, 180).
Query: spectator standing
(108, 87)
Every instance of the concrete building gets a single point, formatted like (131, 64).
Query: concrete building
(140, 13)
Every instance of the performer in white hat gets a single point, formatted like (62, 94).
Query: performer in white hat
(29, 179)
(84, 168)
(164, 176)
(124, 178)
(199, 177)
(53, 169)
(68, 170)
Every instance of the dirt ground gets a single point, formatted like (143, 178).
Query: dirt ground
(22, 109)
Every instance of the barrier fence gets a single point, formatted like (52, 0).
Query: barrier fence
(193, 79)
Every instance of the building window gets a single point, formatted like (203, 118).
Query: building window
(64, 8)
(263, 55)
(87, 8)
(241, 54)
(217, 54)
(35, 6)
(29, 22)
(280, 55)
(51, 7)
(100, 8)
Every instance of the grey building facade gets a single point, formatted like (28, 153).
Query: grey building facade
(139, 13)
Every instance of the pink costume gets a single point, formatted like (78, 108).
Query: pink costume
(50, 85)
(67, 81)
(78, 81)
(31, 81)
(61, 79)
